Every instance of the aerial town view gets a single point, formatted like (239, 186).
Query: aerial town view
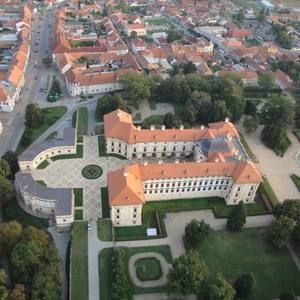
(149, 149)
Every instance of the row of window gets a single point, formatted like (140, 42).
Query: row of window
(184, 183)
(199, 189)
(118, 210)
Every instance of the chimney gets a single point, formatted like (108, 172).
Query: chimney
(145, 163)
(139, 128)
(217, 159)
(181, 127)
(202, 127)
(160, 162)
(119, 113)
(152, 127)
(176, 161)
(198, 159)
(163, 127)
(226, 120)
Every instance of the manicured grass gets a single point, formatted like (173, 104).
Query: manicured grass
(51, 115)
(137, 117)
(43, 165)
(82, 121)
(78, 196)
(247, 148)
(79, 154)
(220, 210)
(104, 203)
(99, 129)
(266, 189)
(157, 21)
(79, 262)
(80, 139)
(41, 182)
(101, 145)
(152, 104)
(15, 212)
(248, 251)
(148, 269)
(297, 134)
(296, 180)
(104, 229)
(91, 172)
(78, 216)
(105, 269)
(52, 135)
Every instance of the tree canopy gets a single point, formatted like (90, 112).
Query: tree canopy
(237, 217)
(243, 285)
(33, 116)
(12, 160)
(281, 231)
(195, 232)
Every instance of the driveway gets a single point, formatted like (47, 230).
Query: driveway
(276, 169)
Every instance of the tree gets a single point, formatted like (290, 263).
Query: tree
(6, 191)
(33, 116)
(289, 208)
(136, 87)
(168, 120)
(3, 292)
(189, 68)
(220, 289)
(220, 111)
(250, 108)
(10, 234)
(12, 160)
(187, 275)
(261, 16)
(243, 285)
(250, 124)
(288, 295)
(3, 276)
(195, 232)
(173, 35)
(281, 231)
(4, 168)
(237, 217)
(266, 81)
(18, 292)
(297, 115)
(47, 61)
(240, 16)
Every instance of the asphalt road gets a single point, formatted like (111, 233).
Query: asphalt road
(14, 122)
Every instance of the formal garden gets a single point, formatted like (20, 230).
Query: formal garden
(91, 172)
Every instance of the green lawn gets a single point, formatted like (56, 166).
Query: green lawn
(79, 154)
(296, 180)
(41, 182)
(79, 262)
(297, 134)
(137, 117)
(15, 212)
(78, 216)
(104, 229)
(152, 104)
(105, 269)
(247, 148)
(220, 209)
(82, 121)
(80, 139)
(266, 189)
(78, 196)
(157, 21)
(101, 145)
(148, 269)
(52, 135)
(104, 203)
(43, 165)
(248, 251)
(51, 115)
(178, 109)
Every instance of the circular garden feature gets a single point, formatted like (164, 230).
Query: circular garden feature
(91, 172)
(148, 269)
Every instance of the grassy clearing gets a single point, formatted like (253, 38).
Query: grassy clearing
(101, 145)
(82, 121)
(297, 134)
(157, 21)
(248, 251)
(79, 154)
(52, 135)
(148, 269)
(104, 203)
(220, 209)
(105, 269)
(152, 104)
(79, 262)
(104, 229)
(43, 165)
(51, 116)
(266, 189)
(15, 213)
(78, 216)
(80, 139)
(296, 180)
(78, 196)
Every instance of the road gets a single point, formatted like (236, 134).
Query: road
(14, 122)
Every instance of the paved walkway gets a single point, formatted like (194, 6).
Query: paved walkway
(277, 169)
(150, 283)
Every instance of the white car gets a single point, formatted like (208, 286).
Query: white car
(89, 227)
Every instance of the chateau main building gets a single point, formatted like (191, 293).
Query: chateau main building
(221, 167)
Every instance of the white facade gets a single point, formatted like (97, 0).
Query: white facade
(126, 215)
(8, 104)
